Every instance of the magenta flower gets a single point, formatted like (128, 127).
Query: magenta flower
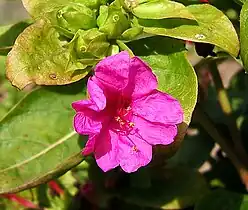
(125, 114)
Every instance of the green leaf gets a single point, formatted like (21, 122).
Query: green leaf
(244, 35)
(37, 140)
(39, 56)
(69, 182)
(176, 188)
(159, 9)
(222, 199)
(211, 26)
(175, 75)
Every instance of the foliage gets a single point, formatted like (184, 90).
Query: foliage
(49, 59)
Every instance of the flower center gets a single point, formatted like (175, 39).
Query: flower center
(123, 120)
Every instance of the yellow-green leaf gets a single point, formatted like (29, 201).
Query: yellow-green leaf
(40, 57)
(211, 26)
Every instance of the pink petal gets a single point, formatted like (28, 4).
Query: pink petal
(113, 71)
(154, 133)
(141, 79)
(159, 107)
(133, 153)
(86, 123)
(82, 105)
(97, 101)
(96, 94)
(106, 150)
(89, 146)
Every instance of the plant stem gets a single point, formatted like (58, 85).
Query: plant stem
(208, 125)
(123, 46)
(227, 110)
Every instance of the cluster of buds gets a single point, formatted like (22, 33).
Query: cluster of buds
(94, 25)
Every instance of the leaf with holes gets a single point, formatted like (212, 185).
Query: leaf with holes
(37, 140)
(40, 57)
(211, 26)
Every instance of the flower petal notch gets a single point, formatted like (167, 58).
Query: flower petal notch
(125, 114)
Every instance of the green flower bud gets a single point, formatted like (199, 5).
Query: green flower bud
(87, 48)
(91, 41)
(76, 16)
(112, 21)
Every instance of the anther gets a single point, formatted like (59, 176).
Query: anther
(117, 119)
(128, 108)
(131, 124)
(135, 149)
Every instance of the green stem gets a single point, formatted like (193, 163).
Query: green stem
(123, 46)
(227, 110)
(208, 125)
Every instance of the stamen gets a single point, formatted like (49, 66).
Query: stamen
(129, 108)
(131, 124)
(124, 125)
(117, 119)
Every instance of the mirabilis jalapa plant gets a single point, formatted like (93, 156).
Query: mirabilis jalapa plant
(141, 97)
(125, 114)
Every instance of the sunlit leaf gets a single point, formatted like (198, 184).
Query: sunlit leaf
(40, 57)
(160, 9)
(211, 26)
